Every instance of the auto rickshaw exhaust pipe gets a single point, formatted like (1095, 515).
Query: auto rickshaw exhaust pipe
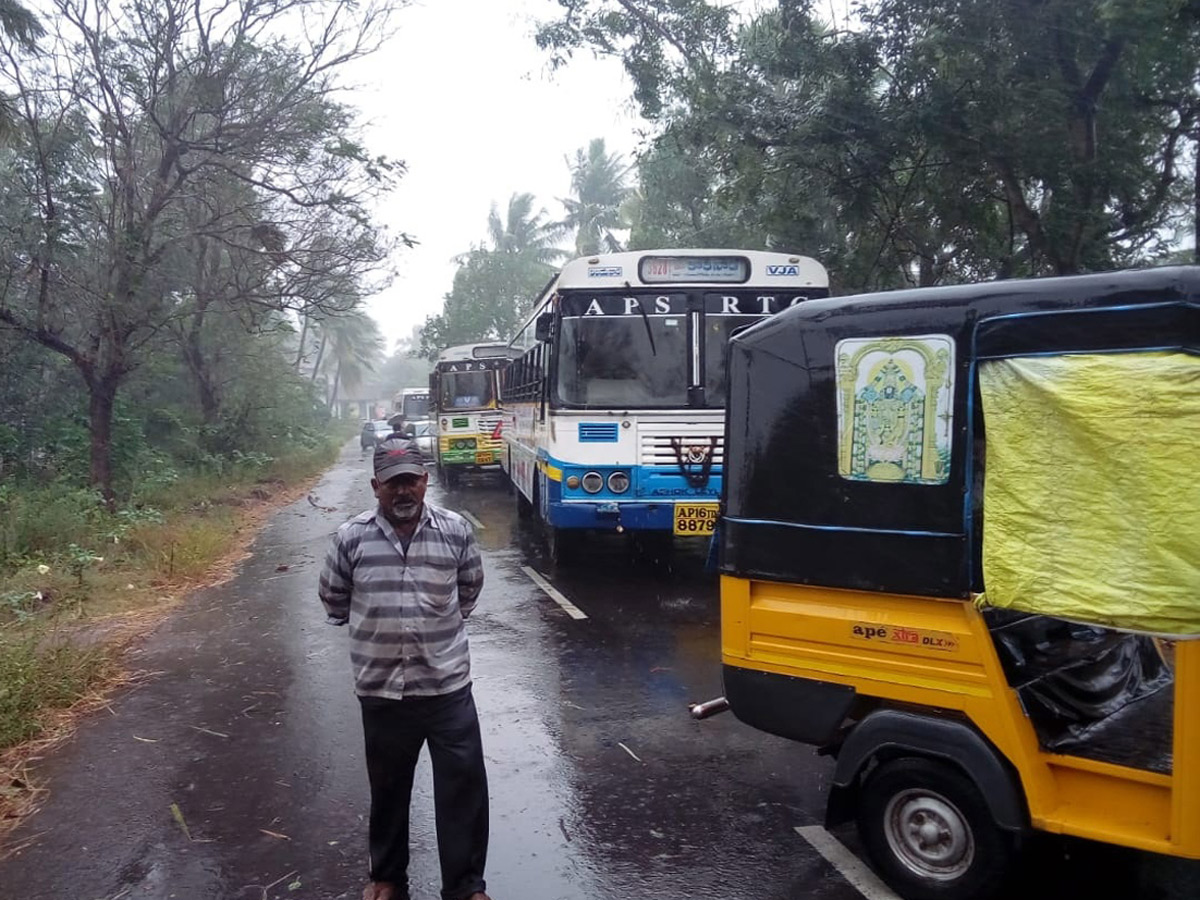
(709, 708)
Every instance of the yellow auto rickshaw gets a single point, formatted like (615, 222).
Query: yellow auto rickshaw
(960, 552)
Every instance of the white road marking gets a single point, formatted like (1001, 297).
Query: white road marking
(850, 866)
(572, 610)
(470, 518)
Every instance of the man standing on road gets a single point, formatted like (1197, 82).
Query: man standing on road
(405, 576)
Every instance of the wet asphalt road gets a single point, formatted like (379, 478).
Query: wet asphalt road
(235, 770)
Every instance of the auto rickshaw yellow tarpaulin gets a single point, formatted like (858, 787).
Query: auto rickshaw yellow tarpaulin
(1092, 490)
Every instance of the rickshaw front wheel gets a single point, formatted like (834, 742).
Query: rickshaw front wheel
(930, 833)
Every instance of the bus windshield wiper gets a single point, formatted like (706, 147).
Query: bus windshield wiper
(645, 319)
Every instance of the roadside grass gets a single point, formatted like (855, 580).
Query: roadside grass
(40, 670)
(185, 548)
(78, 583)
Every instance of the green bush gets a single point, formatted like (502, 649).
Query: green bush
(40, 522)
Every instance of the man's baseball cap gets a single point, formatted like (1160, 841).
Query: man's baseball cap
(396, 456)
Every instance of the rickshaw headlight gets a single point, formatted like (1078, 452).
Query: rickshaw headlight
(618, 482)
(593, 482)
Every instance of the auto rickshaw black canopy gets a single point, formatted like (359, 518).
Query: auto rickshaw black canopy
(792, 514)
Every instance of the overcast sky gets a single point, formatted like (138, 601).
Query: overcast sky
(463, 95)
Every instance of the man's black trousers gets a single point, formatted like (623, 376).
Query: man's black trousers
(394, 731)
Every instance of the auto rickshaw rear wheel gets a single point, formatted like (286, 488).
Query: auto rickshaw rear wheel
(929, 832)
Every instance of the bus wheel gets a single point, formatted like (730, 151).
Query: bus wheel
(562, 544)
(524, 506)
(929, 832)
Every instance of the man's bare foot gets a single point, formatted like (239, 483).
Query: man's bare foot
(380, 890)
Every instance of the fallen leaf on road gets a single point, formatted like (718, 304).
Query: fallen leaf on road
(145, 740)
(627, 750)
(275, 834)
(282, 568)
(177, 815)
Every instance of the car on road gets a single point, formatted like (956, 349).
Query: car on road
(422, 433)
(373, 432)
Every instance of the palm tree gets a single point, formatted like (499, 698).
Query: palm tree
(525, 233)
(598, 180)
(355, 348)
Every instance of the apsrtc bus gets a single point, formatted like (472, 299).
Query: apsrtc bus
(411, 404)
(614, 401)
(465, 397)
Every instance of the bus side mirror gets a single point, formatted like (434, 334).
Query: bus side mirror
(543, 327)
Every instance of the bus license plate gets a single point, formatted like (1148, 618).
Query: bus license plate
(695, 518)
(483, 459)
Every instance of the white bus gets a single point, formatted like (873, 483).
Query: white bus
(614, 401)
(465, 397)
(411, 404)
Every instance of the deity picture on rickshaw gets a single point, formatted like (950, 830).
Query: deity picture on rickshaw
(894, 411)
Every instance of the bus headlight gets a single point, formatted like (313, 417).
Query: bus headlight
(593, 482)
(618, 482)
(572, 481)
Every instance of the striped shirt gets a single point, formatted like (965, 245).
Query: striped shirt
(406, 608)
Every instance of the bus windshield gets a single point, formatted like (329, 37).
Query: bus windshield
(467, 390)
(416, 406)
(611, 362)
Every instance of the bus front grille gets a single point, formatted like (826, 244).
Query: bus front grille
(691, 445)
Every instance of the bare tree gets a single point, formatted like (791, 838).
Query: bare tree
(155, 131)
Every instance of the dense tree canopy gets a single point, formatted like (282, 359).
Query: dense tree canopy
(927, 140)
